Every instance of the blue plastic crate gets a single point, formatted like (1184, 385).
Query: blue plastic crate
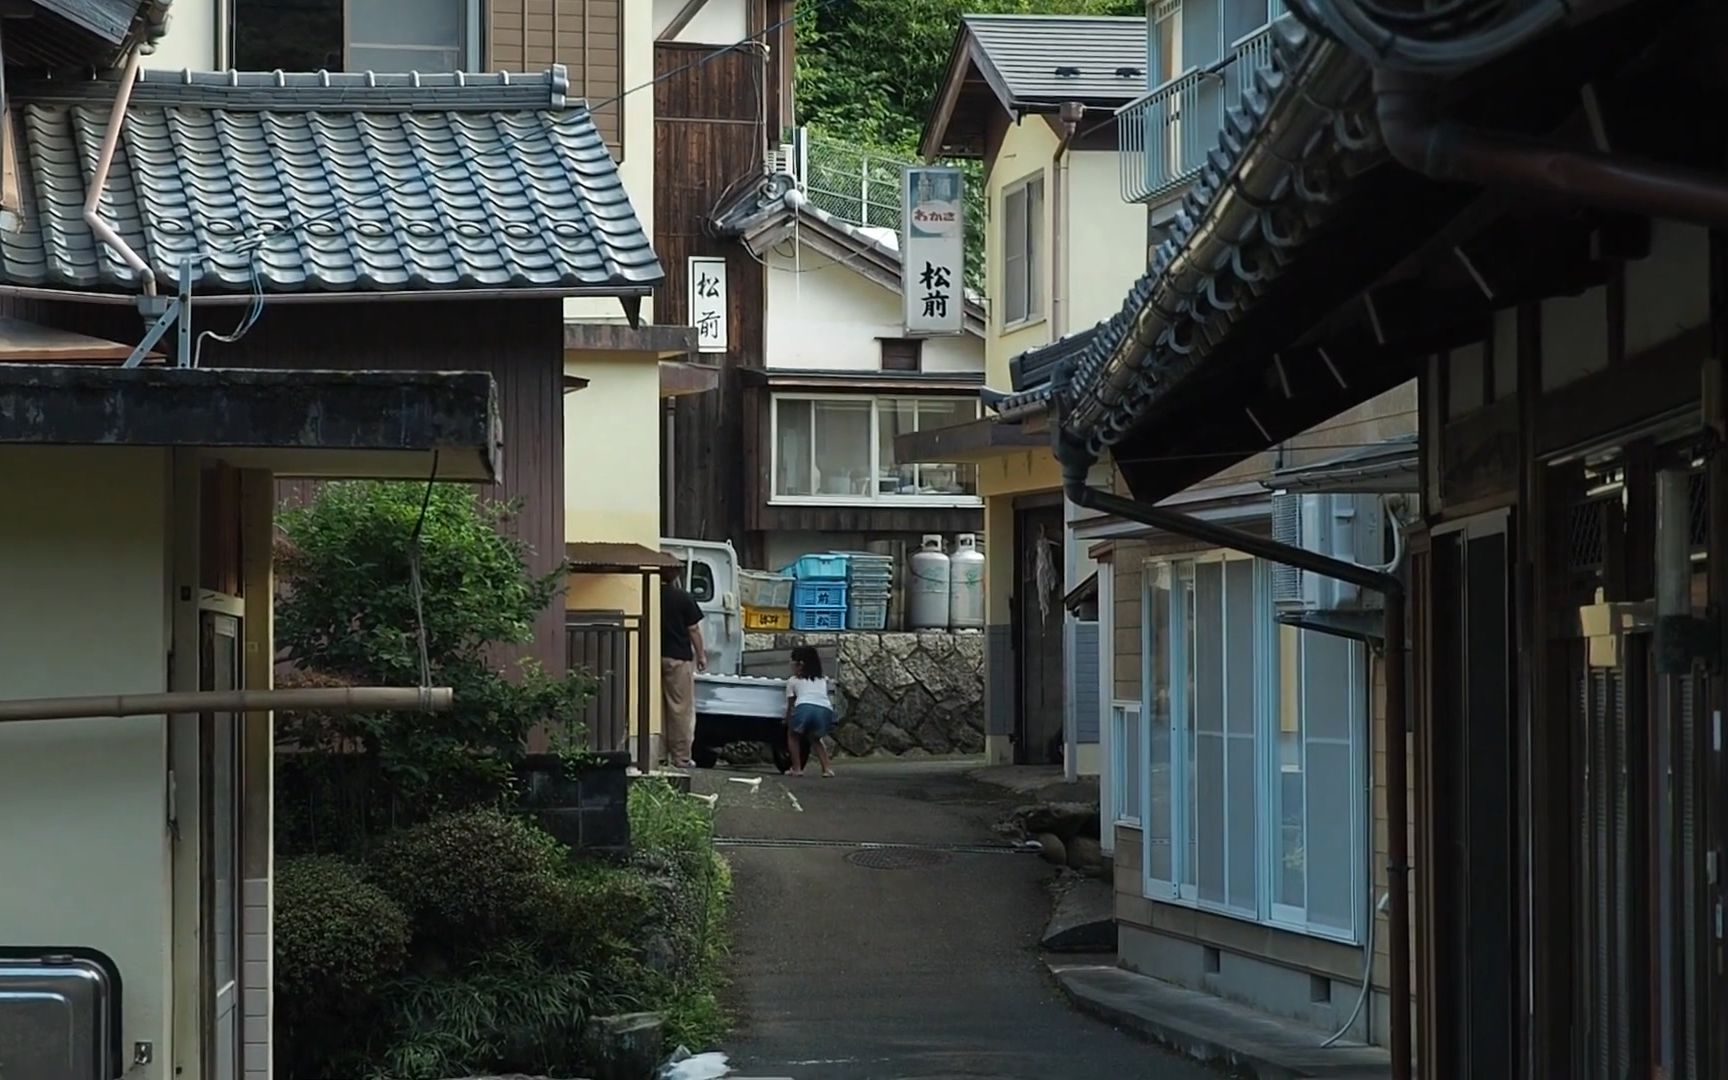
(815, 595)
(819, 620)
(828, 567)
(867, 616)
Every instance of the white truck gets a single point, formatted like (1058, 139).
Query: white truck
(730, 706)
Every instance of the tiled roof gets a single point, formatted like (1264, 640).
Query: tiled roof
(1056, 58)
(1035, 367)
(327, 183)
(1244, 219)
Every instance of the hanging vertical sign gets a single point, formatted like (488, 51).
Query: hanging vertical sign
(708, 302)
(933, 251)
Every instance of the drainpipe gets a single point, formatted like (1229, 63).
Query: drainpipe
(1422, 140)
(1072, 112)
(1075, 463)
(99, 179)
(338, 700)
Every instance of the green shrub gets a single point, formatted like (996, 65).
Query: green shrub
(473, 877)
(334, 931)
(670, 824)
(509, 1011)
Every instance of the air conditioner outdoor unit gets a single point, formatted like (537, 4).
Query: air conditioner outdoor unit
(1348, 527)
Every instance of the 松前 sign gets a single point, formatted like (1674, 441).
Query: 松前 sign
(708, 302)
(933, 251)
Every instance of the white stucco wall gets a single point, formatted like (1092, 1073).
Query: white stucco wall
(1106, 239)
(823, 315)
(720, 22)
(84, 610)
(191, 38)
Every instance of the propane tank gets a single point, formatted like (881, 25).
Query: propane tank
(929, 587)
(966, 584)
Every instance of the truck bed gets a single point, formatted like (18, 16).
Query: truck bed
(740, 695)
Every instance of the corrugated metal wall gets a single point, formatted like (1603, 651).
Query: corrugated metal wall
(1084, 683)
(999, 680)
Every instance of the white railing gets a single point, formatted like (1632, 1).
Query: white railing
(1164, 137)
(854, 185)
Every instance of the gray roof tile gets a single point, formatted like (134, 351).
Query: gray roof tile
(351, 182)
(1027, 50)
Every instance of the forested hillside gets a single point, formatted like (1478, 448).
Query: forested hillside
(869, 68)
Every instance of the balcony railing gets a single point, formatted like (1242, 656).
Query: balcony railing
(1164, 137)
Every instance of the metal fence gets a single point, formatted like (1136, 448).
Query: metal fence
(854, 185)
(600, 644)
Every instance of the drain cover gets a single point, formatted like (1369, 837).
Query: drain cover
(898, 858)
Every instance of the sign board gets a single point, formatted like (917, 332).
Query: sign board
(933, 251)
(708, 303)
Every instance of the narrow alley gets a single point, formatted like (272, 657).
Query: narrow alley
(922, 970)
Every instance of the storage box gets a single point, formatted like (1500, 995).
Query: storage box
(767, 619)
(867, 616)
(829, 567)
(760, 589)
(814, 595)
(819, 619)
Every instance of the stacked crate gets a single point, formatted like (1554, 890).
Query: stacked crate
(819, 593)
(767, 600)
(869, 586)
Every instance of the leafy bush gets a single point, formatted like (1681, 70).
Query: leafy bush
(334, 931)
(670, 824)
(474, 876)
(349, 615)
(510, 1011)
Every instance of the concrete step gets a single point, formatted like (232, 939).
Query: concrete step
(1212, 1029)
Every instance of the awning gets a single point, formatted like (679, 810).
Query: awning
(24, 342)
(680, 378)
(655, 341)
(324, 424)
(976, 440)
(1082, 593)
(1224, 504)
(1391, 468)
(600, 557)
(889, 382)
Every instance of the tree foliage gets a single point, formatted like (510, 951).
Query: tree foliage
(348, 616)
(870, 69)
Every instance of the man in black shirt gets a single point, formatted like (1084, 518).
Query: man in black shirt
(682, 655)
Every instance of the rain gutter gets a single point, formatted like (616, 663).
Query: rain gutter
(326, 700)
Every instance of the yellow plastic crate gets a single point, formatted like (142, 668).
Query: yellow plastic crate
(758, 619)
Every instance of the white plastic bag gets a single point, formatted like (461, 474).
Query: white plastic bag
(683, 1065)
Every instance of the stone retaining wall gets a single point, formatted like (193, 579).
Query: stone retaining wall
(907, 694)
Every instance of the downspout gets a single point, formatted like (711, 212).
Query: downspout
(1076, 463)
(1422, 140)
(1070, 114)
(99, 179)
(338, 700)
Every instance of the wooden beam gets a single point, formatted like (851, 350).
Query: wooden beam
(689, 11)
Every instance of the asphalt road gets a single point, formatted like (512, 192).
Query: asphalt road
(847, 972)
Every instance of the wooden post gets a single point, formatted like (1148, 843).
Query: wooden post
(645, 628)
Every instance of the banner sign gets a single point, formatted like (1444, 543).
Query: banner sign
(708, 303)
(933, 251)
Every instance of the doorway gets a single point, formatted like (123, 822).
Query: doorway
(1038, 618)
(1474, 855)
(219, 861)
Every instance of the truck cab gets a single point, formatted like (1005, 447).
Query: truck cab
(711, 578)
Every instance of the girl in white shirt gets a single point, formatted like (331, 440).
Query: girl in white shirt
(809, 710)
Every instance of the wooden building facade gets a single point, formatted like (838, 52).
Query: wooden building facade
(1562, 297)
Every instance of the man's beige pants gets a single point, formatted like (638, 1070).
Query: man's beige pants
(678, 686)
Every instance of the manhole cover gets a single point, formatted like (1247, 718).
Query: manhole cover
(897, 858)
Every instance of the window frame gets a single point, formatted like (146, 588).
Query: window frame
(1032, 257)
(1182, 888)
(875, 497)
(468, 48)
(1122, 714)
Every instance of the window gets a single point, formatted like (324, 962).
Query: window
(1022, 217)
(902, 354)
(841, 449)
(356, 35)
(1126, 768)
(1254, 762)
(701, 583)
(1165, 42)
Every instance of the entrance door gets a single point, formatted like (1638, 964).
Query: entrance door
(1474, 858)
(220, 857)
(1038, 619)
